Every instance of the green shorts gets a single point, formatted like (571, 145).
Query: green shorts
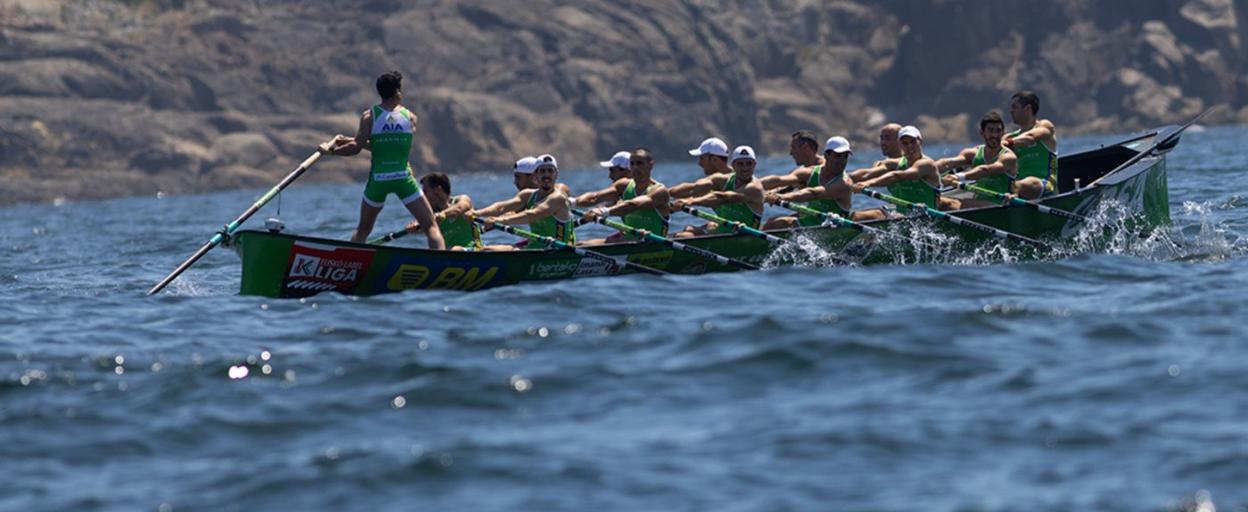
(407, 189)
(807, 221)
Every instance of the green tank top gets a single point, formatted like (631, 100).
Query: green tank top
(560, 230)
(914, 191)
(648, 219)
(999, 183)
(457, 231)
(739, 212)
(390, 142)
(1036, 161)
(823, 205)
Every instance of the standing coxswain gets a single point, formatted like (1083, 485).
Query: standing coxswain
(386, 131)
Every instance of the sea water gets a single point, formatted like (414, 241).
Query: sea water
(1112, 378)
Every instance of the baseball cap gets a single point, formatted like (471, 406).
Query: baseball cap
(837, 144)
(546, 159)
(909, 131)
(712, 146)
(742, 153)
(617, 160)
(526, 165)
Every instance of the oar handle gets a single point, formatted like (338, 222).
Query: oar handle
(229, 229)
(999, 233)
(585, 253)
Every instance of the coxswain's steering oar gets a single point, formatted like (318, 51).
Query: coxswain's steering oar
(842, 221)
(228, 229)
(680, 246)
(1023, 202)
(584, 253)
(999, 233)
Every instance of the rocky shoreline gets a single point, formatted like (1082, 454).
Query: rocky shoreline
(105, 98)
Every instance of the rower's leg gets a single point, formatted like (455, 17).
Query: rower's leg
(1029, 188)
(866, 215)
(368, 216)
(948, 204)
(419, 206)
(780, 222)
(695, 230)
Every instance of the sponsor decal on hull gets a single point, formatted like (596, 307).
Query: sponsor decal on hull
(409, 273)
(317, 268)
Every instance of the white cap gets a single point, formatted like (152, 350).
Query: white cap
(909, 131)
(742, 153)
(837, 144)
(617, 160)
(546, 159)
(526, 165)
(711, 146)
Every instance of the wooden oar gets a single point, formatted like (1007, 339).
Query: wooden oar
(680, 246)
(739, 226)
(585, 253)
(1023, 202)
(229, 228)
(389, 237)
(842, 221)
(742, 228)
(999, 233)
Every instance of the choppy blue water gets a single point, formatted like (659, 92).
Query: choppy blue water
(1110, 381)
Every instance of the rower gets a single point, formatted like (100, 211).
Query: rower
(890, 149)
(890, 146)
(545, 209)
(458, 231)
(825, 188)
(804, 149)
(1035, 144)
(617, 169)
(386, 131)
(712, 156)
(735, 197)
(990, 165)
(618, 166)
(916, 178)
(646, 210)
(522, 173)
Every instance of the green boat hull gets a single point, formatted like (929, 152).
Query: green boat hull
(285, 265)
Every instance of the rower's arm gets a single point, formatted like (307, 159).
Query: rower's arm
(1040, 132)
(717, 198)
(502, 207)
(657, 199)
(792, 179)
(694, 189)
(805, 194)
(464, 205)
(912, 174)
(605, 195)
(885, 167)
(963, 160)
(545, 209)
(352, 146)
(1006, 164)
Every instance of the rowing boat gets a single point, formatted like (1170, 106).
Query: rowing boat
(278, 264)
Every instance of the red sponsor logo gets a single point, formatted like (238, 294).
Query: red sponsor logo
(316, 268)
